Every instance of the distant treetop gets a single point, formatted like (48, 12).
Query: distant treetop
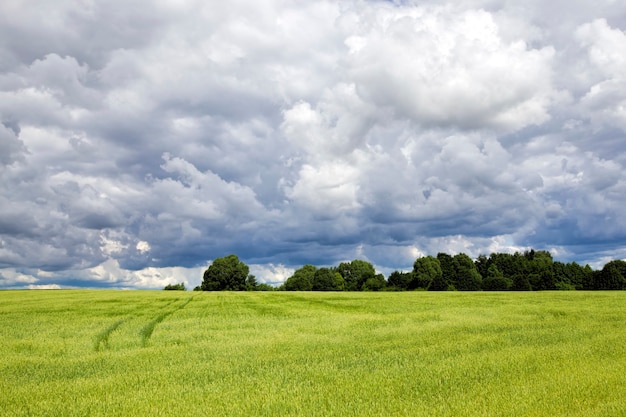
(529, 271)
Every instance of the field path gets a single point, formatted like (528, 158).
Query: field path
(102, 339)
(146, 332)
(140, 320)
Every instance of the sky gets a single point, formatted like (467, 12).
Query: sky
(141, 140)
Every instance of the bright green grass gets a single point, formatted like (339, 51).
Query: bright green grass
(170, 353)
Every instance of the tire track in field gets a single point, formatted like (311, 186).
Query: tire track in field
(146, 332)
(102, 338)
(101, 341)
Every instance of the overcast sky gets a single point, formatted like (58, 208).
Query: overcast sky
(139, 140)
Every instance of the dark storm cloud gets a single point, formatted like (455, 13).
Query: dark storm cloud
(140, 141)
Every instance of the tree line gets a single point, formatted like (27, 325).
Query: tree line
(528, 271)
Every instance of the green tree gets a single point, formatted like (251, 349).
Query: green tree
(264, 287)
(482, 264)
(375, 283)
(399, 280)
(588, 277)
(251, 283)
(175, 287)
(325, 279)
(509, 265)
(467, 277)
(226, 274)
(495, 280)
(561, 276)
(610, 277)
(425, 270)
(448, 273)
(355, 273)
(302, 279)
(575, 274)
(620, 266)
(539, 265)
(521, 283)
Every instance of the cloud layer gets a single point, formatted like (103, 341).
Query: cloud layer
(141, 140)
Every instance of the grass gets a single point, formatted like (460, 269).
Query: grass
(170, 353)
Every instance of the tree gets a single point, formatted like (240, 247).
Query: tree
(468, 279)
(610, 277)
(355, 273)
(547, 281)
(375, 283)
(495, 280)
(251, 283)
(425, 270)
(264, 287)
(509, 265)
(325, 279)
(561, 276)
(467, 276)
(482, 264)
(614, 274)
(175, 287)
(521, 283)
(226, 274)
(588, 276)
(302, 279)
(400, 280)
(448, 271)
(576, 275)
(539, 265)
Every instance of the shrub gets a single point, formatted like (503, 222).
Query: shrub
(175, 287)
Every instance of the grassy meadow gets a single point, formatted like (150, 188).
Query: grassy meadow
(171, 353)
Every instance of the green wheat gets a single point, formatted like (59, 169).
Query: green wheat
(145, 353)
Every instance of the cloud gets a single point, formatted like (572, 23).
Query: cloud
(44, 287)
(605, 101)
(12, 146)
(270, 273)
(441, 68)
(139, 142)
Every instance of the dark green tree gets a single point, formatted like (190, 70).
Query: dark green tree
(620, 266)
(508, 264)
(425, 270)
(375, 283)
(175, 287)
(495, 280)
(399, 280)
(467, 277)
(539, 266)
(440, 284)
(251, 283)
(355, 273)
(226, 274)
(302, 279)
(448, 271)
(482, 265)
(588, 278)
(561, 276)
(521, 283)
(264, 287)
(610, 277)
(575, 274)
(325, 279)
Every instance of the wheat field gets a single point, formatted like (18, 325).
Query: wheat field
(171, 353)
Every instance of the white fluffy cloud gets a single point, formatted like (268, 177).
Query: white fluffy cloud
(605, 101)
(140, 141)
(442, 67)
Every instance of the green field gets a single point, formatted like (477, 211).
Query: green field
(171, 353)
